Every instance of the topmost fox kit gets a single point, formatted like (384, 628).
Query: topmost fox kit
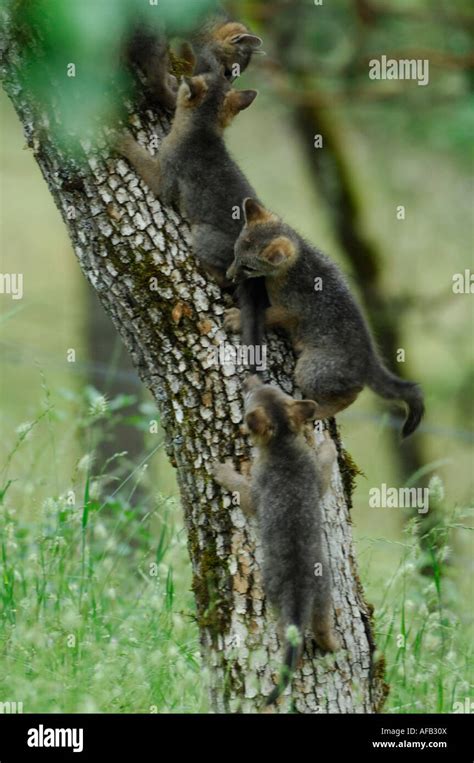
(220, 44)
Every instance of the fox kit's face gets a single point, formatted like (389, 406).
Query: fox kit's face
(270, 414)
(235, 45)
(210, 98)
(262, 248)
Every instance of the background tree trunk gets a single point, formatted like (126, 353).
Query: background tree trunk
(337, 186)
(122, 238)
(111, 372)
(335, 182)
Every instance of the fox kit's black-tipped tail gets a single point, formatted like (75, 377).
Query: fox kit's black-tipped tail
(253, 301)
(391, 387)
(293, 651)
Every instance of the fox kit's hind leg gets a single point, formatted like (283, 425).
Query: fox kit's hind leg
(212, 248)
(326, 453)
(322, 625)
(233, 320)
(145, 165)
(322, 618)
(326, 383)
(331, 405)
(231, 480)
(274, 317)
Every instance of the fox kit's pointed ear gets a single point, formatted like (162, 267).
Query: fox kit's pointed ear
(234, 102)
(255, 214)
(238, 100)
(193, 89)
(259, 424)
(247, 39)
(281, 250)
(302, 411)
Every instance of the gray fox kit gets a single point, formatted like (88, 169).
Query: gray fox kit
(287, 483)
(220, 42)
(148, 49)
(309, 297)
(195, 170)
(223, 41)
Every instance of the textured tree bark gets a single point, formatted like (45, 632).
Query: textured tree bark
(122, 238)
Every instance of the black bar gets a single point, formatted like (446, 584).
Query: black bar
(161, 737)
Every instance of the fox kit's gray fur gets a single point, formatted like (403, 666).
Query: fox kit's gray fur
(147, 48)
(287, 483)
(309, 297)
(195, 171)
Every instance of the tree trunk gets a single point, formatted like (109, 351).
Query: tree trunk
(122, 238)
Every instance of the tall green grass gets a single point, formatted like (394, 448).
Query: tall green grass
(424, 621)
(96, 612)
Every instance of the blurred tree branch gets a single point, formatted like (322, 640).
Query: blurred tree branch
(370, 13)
(334, 178)
(299, 90)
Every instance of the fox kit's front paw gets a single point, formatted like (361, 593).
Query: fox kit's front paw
(324, 632)
(327, 450)
(223, 473)
(326, 454)
(232, 322)
(125, 144)
(328, 641)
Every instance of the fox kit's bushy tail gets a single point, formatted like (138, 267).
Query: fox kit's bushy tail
(253, 301)
(293, 650)
(391, 387)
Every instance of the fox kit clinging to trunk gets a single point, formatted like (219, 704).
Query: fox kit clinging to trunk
(309, 297)
(194, 170)
(287, 483)
(147, 48)
(223, 41)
